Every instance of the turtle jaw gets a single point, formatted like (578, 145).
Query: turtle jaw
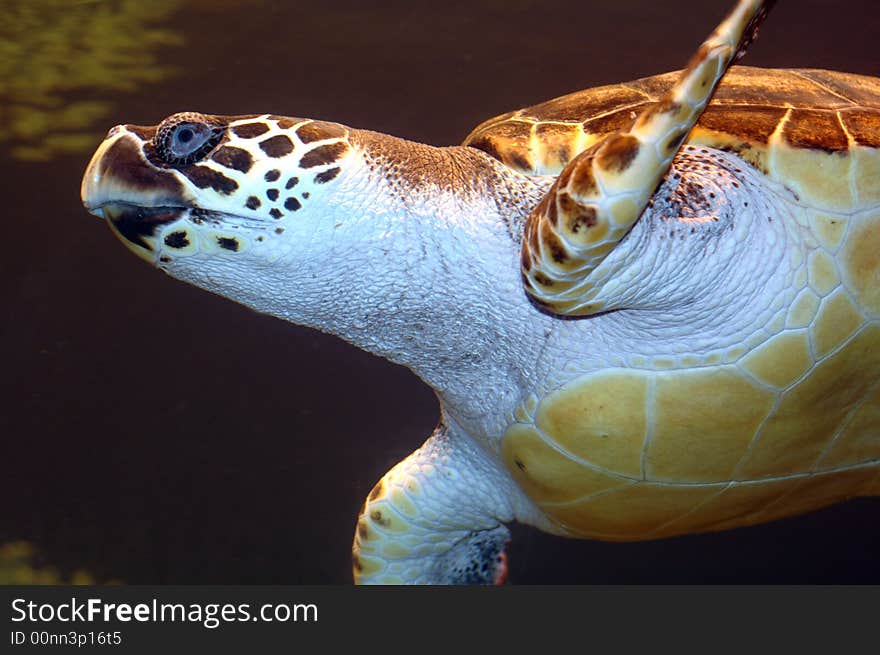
(138, 227)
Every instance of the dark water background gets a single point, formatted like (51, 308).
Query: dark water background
(154, 433)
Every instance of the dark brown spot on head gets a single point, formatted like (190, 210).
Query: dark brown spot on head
(324, 155)
(319, 130)
(327, 175)
(279, 230)
(272, 194)
(252, 202)
(618, 153)
(228, 243)
(204, 177)
(292, 204)
(177, 240)
(286, 122)
(292, 182)
(272, 175)
(232, 157)
(277, 146)
(276, 213)
(250, 130)
(519, 464)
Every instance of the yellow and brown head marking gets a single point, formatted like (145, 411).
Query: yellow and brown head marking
(324, 155)
(277, 146)
(204, 169)
(250, 130)
(232, 157)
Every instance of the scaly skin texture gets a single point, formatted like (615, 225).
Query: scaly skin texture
(604, 190)
(738, 381)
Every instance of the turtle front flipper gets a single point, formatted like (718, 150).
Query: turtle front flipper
(435, 518)
(602, 192)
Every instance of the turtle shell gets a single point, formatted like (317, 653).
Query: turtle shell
(782, 425)
(807, 129)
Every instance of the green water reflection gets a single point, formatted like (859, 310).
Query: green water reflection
(18, 565)
(61, 62)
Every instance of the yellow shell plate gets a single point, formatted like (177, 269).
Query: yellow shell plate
(633, 454)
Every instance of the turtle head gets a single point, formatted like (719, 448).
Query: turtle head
(200, 184)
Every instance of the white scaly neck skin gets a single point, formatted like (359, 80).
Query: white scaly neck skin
(412, 253)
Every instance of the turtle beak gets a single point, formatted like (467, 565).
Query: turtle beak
(98, 182)
(133, 195)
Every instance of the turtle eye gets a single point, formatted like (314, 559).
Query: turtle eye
(185, 138)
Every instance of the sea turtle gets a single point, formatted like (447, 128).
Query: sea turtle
(646, 310)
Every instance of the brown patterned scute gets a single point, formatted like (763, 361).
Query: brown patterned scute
(754, 124)
(619, 120)
(863, 125)
(816, 129)
(576, 107)
(861, 90)
(747, 107)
